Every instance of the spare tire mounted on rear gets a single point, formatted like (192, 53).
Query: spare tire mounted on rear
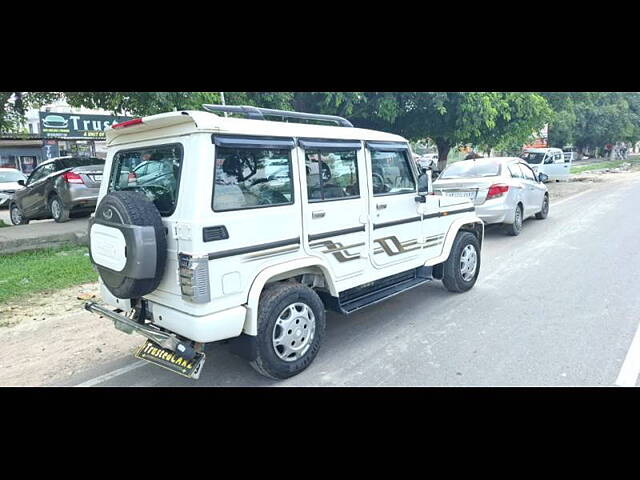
(128, 244)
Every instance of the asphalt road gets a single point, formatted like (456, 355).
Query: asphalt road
(556, 306)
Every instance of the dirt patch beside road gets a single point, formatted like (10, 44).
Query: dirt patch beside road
(47, 338)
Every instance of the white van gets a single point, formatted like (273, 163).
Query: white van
(550, 161)
(256, 227)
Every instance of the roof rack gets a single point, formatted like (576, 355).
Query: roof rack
(256, 113)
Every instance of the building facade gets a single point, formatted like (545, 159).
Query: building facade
(56, 130)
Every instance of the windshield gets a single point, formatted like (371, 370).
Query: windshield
(80, 162)
(154, 171)
(533, 157)
(11, 177)
(471, 169)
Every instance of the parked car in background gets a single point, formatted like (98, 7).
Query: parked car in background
(503, 190)
(569, 154)
(9, 178)
(428, 161)
(57, 188)
(550, 161)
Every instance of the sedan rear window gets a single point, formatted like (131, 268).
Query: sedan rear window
(154, 171)
(471, 169)
(80, 162)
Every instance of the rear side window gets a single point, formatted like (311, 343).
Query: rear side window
(515, 170)
(154, 171)
(332, 175)
(252, 178)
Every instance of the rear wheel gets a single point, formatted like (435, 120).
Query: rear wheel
(461, 269)
(59, 213)
(515, 228)
(291, 324)
(16, 215)
(544, 211)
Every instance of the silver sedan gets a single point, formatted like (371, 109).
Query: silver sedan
(504, 190)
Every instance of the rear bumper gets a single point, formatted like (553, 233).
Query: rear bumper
(203, 329)
(80, 196)
(494, 211)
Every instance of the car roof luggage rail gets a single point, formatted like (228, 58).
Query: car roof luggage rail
(257, 113)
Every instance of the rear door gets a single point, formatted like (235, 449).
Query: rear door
(335, 204)
(534, 191)
(559, 168)
(395, 225)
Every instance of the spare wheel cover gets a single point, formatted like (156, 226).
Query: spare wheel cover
(128, 244)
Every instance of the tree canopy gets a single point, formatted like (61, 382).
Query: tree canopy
(486, 120)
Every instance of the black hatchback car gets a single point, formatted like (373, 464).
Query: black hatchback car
(57, 189)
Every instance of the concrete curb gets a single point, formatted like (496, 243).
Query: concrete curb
(48, 241)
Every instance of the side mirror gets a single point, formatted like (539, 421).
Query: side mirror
(423, 183)
(542, 177)
(21, 182)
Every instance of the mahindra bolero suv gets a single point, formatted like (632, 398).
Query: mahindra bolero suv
(213, 228)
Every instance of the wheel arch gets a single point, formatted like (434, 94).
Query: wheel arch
(281, 272)
(473, 225)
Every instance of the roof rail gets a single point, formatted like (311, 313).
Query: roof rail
(256, 113)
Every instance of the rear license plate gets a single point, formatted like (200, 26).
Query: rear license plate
(154, 353)
(460, 194)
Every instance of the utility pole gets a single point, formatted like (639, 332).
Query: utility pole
(223, 102)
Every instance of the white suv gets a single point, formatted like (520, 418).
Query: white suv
(252, 228)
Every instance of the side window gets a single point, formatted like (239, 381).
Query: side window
(528, 173)
(559, 158)
(41, 173)
(251, 178)
(331, 175)
(514, 170)
(391, 173)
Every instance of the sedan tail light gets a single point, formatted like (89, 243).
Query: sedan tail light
(497, 190)
(71, 177)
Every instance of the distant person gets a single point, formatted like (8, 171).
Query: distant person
(473, 156)
(608, 148)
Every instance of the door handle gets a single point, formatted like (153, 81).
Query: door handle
(381, 206)
(318, 214)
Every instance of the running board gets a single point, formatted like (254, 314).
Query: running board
(357, 298)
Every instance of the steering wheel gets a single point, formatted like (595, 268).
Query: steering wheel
(380, 186)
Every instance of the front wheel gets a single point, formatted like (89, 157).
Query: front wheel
(291, 324)
(16, 215)
(461, 269)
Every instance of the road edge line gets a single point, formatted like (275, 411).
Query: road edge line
(630, 370)
(115, 373)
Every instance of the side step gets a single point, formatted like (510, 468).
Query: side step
(356, 298)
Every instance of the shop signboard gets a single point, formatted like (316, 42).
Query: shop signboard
(76, 125)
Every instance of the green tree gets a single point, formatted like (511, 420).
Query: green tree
(13, 106)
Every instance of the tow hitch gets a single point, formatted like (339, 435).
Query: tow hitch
(162, 348)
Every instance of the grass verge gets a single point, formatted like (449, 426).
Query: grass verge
(603, 165)
(27, 273)
(2, 224)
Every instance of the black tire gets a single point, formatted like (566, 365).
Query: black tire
(17, 218)
(58, 211)
(132, 208)
(544, 211)
(452, 276)
(273, 301)
(515, 228)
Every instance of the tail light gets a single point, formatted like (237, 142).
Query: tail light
(128, 123)
(497, 190)
(194, 278)
(132, 177)
(71, 177)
